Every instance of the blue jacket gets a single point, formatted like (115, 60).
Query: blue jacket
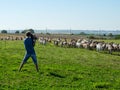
(28, 43)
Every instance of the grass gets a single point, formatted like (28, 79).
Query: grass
(60, 69)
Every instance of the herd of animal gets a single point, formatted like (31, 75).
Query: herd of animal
(83, 43)
(12, 37)
(74, 43)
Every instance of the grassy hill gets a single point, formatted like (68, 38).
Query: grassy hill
(59, 69)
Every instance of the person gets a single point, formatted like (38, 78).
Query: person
(29, 43)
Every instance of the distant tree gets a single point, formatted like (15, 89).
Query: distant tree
(104, 34)
(82, 33)
(110, 35)
(72, 34)
(4, 31)
(31, 30)
(17, 31)
(48, 33)
(23, 31)
(41, 33)
(92, 37)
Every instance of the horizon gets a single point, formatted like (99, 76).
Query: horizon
(95, 32)
(60, 29)
(60, 14)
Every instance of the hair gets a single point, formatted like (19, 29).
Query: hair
(28, 33)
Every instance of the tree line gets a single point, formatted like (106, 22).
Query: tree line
(90, 36)
(17, 31)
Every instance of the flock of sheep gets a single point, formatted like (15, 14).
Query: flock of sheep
(12, 37)
(74, 43)
(83, 43)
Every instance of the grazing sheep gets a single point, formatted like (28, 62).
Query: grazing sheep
(48, 40)
(109, 47)
(115, 47)
(99, 47)
(78, 43)
(93, 44)
(72, 43)
(42, 41)
(64, 43)
(56, 42)
(85, 45)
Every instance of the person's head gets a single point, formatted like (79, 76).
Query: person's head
(28, 34)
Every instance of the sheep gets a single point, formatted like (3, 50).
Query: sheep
(99, 47)
(42, 41)
(109, 47)
(64, 43)
(78, 43)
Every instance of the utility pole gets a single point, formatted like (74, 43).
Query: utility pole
(70, 31)
(46, 30)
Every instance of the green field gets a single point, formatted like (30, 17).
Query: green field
(59, 69)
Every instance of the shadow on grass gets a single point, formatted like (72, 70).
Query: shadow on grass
(102, 85)
(56, 75)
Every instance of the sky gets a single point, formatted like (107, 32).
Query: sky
(60, 14)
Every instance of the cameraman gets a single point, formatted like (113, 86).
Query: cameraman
(29, 43)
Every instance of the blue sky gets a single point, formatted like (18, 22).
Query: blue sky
(60, 14)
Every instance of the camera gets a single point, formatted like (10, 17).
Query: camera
(34, 38)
